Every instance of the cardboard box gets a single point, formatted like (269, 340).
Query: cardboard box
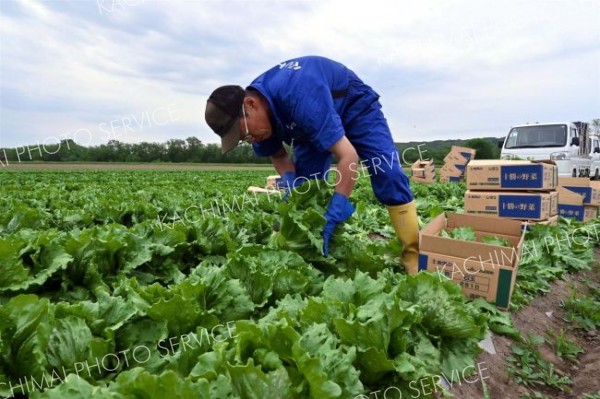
(462, 168)
(450, 170)
(590, 212)
(422, 163)
(453, 158)
(570, 205)
(457, 161)
(458, 158)
(450, 179)
(551, 222)
(512, 175)
(513, 205)
(424, 172)
(482, 270)
(450, 174)
(584, 186)
(460, 155)
(423, 169)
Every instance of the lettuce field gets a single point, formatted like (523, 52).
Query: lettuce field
(180, 284)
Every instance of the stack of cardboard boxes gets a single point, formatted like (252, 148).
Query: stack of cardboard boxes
(522, 190)
(503, 198)
(455, 164)
(423, 171)
(579, 198)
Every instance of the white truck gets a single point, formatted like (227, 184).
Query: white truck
(595, 156)
(566, 143)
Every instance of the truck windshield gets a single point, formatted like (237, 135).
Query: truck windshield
(537, 136)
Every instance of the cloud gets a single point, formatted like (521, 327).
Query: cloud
(443, 69)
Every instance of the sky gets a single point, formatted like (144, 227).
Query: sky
(141, 70)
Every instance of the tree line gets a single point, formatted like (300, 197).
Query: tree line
(174, 150)
(192, 150)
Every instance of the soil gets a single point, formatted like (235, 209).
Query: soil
(534, 319)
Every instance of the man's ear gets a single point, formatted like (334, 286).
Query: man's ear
(250, 102)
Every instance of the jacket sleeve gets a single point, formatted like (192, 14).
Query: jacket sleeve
(314, 112)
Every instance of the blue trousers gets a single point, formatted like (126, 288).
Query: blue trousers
(370, 135)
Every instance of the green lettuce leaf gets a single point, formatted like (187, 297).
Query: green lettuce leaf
(250, 382)
(75, 387)
(26, 321)
(138, 382)
(69, 343)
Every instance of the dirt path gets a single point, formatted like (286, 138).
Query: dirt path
(542, 314)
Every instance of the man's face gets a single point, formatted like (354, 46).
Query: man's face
(256, 121)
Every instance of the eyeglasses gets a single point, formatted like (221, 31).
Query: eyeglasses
(247, 136)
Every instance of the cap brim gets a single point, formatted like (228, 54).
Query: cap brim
(231, 139)
(216, 118)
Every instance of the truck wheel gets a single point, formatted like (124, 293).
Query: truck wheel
(597, 175)
(574, 172)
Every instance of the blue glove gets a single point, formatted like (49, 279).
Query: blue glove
(338, 211)
(287, 181)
